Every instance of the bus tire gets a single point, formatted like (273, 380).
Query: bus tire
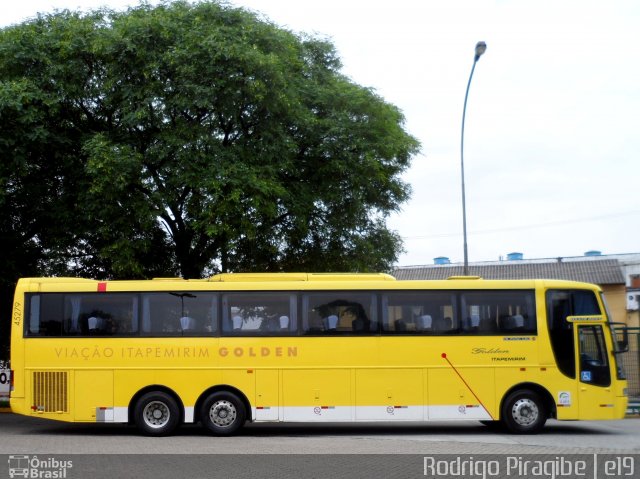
(223, 413)
(524, 412)
(157, 414)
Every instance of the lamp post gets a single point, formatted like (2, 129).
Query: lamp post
(481, 47)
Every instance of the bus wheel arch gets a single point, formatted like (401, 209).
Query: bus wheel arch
(525, 408)
(227, 398)
(160, 401)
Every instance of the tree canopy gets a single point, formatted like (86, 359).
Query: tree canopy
(188, 139)
(191, 138)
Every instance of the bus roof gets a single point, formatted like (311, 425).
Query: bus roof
(268, 277)
(289, 281)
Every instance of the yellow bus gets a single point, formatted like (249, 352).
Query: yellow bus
(312, 348)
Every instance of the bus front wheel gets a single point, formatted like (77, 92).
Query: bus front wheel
(524, 412)
(223, 413)
(157, 414)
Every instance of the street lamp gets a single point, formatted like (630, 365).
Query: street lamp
(481, 47)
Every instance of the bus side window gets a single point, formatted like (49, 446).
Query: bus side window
(179, 313)
(498, 312)
(418, 312)
(339, 313)
(97, 314)
(253, 314)
(84, 314)
(46, 315)
(34, 315)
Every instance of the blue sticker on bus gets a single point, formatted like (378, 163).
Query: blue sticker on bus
(585, 376)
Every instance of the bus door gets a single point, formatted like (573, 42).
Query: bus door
(577, 330)
(595, 394)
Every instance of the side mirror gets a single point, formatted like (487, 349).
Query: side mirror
(621, 336)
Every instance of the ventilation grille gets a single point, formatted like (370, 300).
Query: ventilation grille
(50, 391)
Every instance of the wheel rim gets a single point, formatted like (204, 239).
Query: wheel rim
(156, 414)
(223, 413)
(525, 412)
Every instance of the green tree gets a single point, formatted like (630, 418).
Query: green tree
(192, 138)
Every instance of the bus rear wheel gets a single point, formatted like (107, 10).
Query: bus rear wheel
(223, 413)
(524, 412)
(157, 414)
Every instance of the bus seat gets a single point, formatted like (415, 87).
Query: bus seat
(95, 323)
(425, 322)
(187, 323)
(92, 323)
(529, 323)
(271, 325)
(441, 324)
(488, 325)
(400, 325)
(506, 323)
(359, 325)
(448, 323)
(518, 321)
(332, 322)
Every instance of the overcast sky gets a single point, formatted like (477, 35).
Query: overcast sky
(552, 129)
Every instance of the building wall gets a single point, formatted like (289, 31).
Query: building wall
(616, 296)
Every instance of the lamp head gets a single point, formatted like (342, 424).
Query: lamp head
(481, 47)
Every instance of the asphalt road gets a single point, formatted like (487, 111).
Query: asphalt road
(294, 450)
(25, 435)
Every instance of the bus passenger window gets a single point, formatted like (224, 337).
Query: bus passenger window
(268, 314)
(82, 314)
(423, 312)
(179, 313)
(498, 312)
(46, 315)
(347, 312)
